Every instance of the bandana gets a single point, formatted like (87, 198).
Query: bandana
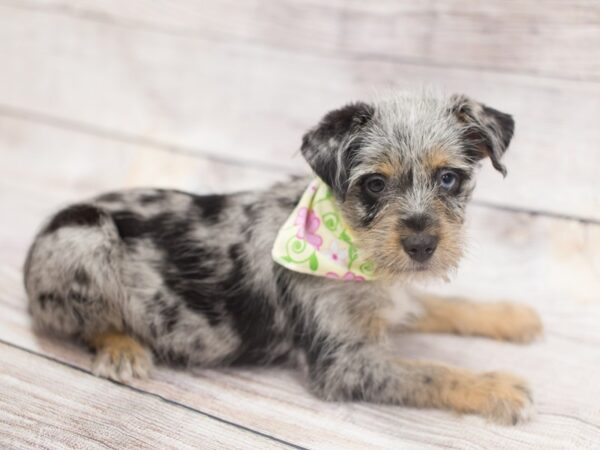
(315, 240)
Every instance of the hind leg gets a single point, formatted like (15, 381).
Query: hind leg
(71, 274)
(74, 289)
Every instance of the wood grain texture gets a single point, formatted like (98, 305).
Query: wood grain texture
(547, 263)
(556, 38)
(275, 401)
(251, 102)
(44, 404)
(214, 96)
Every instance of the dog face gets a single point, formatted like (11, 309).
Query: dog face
(402, 171)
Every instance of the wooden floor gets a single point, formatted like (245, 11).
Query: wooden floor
(214, 96)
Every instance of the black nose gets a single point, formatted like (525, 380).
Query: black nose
(420, 247)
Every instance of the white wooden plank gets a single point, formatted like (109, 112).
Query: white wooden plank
(547, 263)
(44, 404)
(253, 102)
(559, 38)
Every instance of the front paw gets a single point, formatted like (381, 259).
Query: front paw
(500, 397)
(518, 323)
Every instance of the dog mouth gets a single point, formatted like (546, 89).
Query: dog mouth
(420, 268)
(416, 267)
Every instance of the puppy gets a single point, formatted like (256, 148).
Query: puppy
(190, 280)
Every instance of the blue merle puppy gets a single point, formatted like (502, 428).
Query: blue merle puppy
(189, 280)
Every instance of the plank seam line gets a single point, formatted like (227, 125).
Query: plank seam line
(86, 128)
(575, 340)
(157, 396)
(111, 20)
(194, 152)
(574, 418)
(535, 212)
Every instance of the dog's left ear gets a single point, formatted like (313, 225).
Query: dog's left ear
(332, 147)
(486, 130)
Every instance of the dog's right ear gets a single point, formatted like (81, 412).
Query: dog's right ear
(332, 146)
(487, 131)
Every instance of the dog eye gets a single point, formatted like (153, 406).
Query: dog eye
(448, 180)
(375, 184)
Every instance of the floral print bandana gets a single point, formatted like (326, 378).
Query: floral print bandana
(315, 240)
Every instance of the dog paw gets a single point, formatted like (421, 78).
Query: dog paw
(503, 398)
(121, 358)
(518, 323)
(499, 397)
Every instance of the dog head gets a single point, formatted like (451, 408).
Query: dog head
(402, 171)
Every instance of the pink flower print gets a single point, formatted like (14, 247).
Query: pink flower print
(308, 224)
(348, 276)
(337, 253)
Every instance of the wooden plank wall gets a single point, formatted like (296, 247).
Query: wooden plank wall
(245, 82)
(215, 95)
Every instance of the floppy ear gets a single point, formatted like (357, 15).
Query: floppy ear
(332, 146)
(487, 131)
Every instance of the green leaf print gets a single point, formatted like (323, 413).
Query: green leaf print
(344, 237)
(313, 262)
(352, 255)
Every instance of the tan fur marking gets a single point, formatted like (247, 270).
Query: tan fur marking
(388, 169)
(119, 356)
(437, 158)
(502, 320)
(501, 397)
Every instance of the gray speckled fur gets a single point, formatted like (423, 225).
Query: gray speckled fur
(191, 277)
